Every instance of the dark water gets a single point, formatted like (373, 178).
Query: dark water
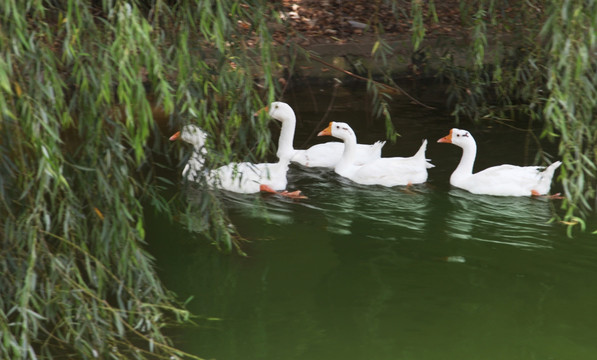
(367, 272)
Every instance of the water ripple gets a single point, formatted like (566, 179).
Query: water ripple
(502, 220)
(343, 207)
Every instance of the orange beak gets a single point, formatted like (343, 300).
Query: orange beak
(263, 109)
(176, 136)
(446, 139)
(326, 131)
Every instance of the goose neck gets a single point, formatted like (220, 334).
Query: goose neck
(467, 161)
(285, 147)
(198, 157)
(350, 147)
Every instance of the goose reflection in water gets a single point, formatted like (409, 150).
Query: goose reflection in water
(375, 211)
(340, 206)
(516, 221)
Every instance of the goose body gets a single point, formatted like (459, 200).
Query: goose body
(501, 180)
(238, 177)
(321, 155)
(249, 178)
(392, 171)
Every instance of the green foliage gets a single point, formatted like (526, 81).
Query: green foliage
(540, 66)
(571, 103)
(84, 84)
(520, 59)
(81, 86)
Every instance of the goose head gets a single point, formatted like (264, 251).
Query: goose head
(338, 130)
(458, 137)
(191, 134)
(281, 111)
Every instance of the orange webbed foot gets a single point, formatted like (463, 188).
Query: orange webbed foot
(267, 189)
(290, 194)
(297, 194)
(408, 188)
(535, 193)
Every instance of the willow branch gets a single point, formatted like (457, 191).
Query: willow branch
(396, 88)
(327, 112)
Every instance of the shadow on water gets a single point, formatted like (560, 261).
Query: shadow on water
(368, 272)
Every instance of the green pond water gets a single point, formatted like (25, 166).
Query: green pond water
(368, 272)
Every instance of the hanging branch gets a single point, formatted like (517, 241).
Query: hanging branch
(396, 88)
(389, 88)
(327, 112)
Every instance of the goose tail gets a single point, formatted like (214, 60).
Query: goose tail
(549, 171)
(547, 175)
(379, 144)
(421, 155)
(376, 147)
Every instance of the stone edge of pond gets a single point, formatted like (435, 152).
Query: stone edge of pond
(402, 63)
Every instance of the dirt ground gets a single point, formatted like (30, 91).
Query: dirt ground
(341, 22)
(340, 31)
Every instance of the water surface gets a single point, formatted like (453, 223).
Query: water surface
(368, 272)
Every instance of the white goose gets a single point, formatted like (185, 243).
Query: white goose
(319, 155)
(196, 137)
(501, 180)
(243, 177)
(383, 171)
